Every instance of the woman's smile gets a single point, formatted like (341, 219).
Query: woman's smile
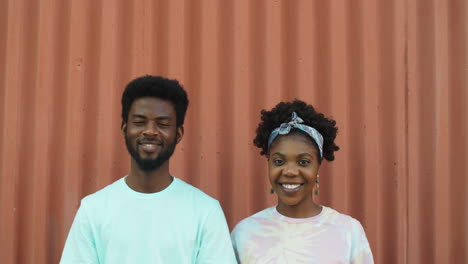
(291, 188)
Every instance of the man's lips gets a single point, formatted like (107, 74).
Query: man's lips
(149, 146)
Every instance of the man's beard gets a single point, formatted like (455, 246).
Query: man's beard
(150, 164)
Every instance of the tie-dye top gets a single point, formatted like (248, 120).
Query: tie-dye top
(329, 237)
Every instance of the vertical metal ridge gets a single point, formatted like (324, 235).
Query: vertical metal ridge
(441, 188)
(42, 106)
(160, 34)
(358, 126)
(289, 43)
(5, 220)
(240, 103)
(412, 124)
(90, 61)
(121, 75)
(192, 73)
(56, 226)
(335, 76)
(257, 86)
(402, 135)
(457, 15)
(28, 59)
(207, 101)
(226, 135)
(389, 129)
(425, 158)
(3, 60)
(323, 54)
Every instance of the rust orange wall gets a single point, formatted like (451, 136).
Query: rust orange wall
(392, 73)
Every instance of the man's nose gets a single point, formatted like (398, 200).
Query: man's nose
(150, 129)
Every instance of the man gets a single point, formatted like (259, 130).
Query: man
(150, 216)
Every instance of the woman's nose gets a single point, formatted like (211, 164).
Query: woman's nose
(291, 171)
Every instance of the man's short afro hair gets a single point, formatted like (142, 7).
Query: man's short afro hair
(282, 112)
(155, 86)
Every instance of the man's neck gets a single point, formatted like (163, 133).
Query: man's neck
(149, 181)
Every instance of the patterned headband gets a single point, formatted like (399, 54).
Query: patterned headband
(295, 122)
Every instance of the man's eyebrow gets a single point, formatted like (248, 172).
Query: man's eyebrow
(163, 117)
(157, 118)
(138, 116)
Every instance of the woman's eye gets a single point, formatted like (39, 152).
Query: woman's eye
(304, 162)
(278, 162)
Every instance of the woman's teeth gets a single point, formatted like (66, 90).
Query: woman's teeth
(291, 186)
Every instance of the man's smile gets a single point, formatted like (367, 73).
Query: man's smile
(150, 145)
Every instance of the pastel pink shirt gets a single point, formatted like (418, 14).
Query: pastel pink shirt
(329, 237)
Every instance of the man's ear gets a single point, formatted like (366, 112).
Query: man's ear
(179, 133)
(123, 128)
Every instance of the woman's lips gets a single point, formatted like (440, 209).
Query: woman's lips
(291, 187)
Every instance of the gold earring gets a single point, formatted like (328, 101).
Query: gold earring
(317, 180)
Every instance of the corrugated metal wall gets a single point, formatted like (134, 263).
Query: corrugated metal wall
(392, 73)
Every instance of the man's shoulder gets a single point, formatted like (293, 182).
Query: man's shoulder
(103, 194)
(194, 194)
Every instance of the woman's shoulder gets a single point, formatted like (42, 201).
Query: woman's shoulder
(359, 243)
(254, 221)
(335, 218)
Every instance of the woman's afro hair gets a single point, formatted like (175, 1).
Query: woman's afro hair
(282, 112)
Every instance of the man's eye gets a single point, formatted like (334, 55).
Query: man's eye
(138, 123)
(164, 124)
(304, 162)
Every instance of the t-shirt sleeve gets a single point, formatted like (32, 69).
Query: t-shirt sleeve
(216, 246)
(360, 249)
(80, 246)
(236, 241)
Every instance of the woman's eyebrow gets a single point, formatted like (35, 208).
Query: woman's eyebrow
(278, 153)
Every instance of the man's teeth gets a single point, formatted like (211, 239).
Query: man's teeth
(291, 186)
(148, 147)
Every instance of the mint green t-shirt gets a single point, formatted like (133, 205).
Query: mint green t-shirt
(180, 224)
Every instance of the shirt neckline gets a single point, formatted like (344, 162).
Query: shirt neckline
(314, 218)
(163, 192)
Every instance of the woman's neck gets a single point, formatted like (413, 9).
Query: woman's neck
(303, 210)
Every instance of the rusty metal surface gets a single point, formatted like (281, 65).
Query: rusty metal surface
(392, 73)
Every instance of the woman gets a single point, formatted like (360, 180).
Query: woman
(295, 139)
